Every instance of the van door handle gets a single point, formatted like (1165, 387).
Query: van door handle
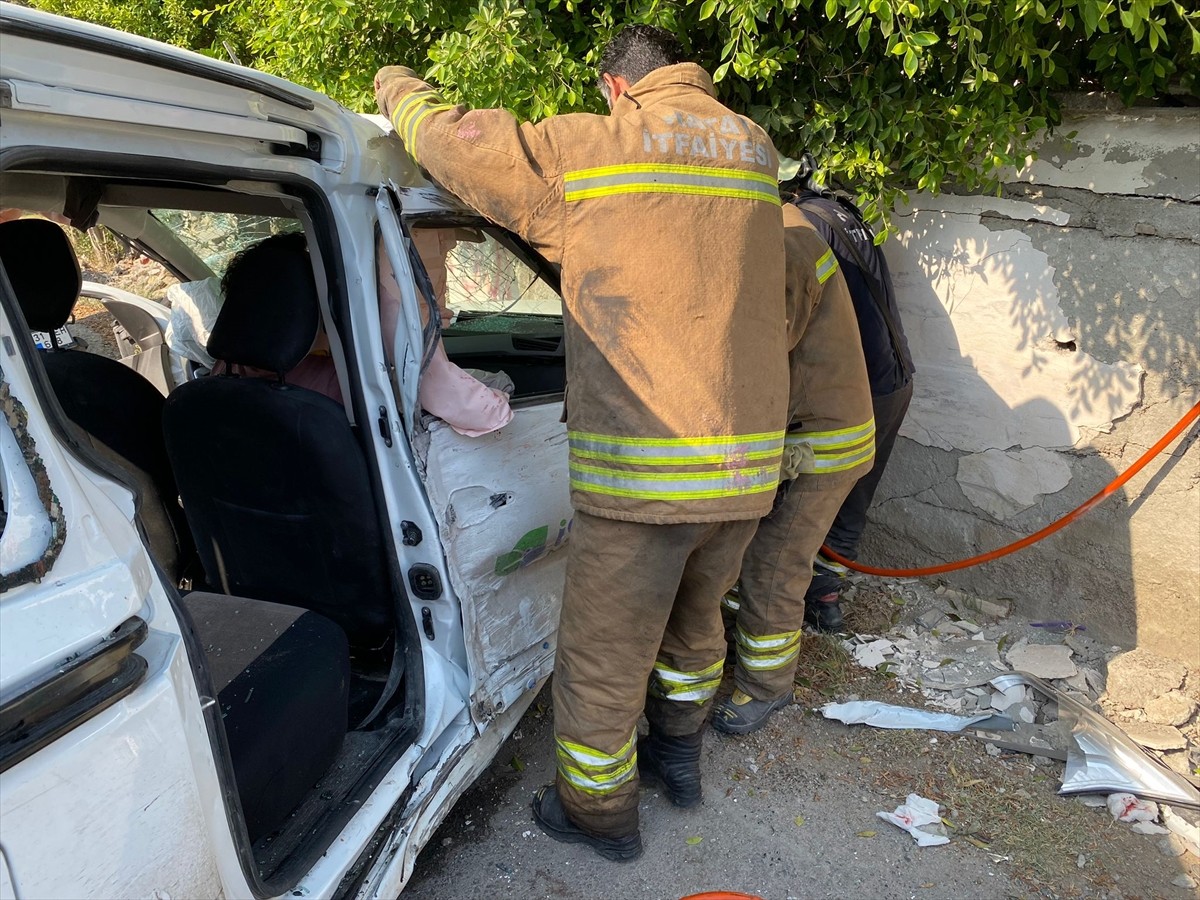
(76, 691)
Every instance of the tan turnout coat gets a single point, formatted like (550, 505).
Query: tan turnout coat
(831, 435)
(665, 221)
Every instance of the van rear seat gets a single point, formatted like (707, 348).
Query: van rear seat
(282, 677)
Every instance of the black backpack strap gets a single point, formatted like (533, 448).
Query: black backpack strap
(872, 283)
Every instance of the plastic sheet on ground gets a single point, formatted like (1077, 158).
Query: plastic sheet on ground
(885, 715)
(919, 817)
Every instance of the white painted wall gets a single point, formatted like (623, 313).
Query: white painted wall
(1056, 333)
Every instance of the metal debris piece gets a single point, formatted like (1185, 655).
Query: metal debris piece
(1101, 758)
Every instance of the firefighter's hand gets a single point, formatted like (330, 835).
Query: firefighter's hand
(391, 84)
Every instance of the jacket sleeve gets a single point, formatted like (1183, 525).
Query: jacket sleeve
(803, 288)
(505, 170)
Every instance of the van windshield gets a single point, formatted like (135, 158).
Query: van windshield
(216, 237)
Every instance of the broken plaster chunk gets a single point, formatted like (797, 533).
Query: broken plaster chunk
(930, 619)
(1156, 737)
(1139, 676)
(1172, 708)
(1004, 483)
(1042, 660)
(874, 654)
(1184, 830)
(1149, 828)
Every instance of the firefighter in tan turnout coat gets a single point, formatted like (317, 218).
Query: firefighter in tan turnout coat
(830, 444)
(665, 220)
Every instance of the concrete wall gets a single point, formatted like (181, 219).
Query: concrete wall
(1056, 332)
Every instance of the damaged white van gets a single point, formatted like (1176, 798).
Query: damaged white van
(255, 639)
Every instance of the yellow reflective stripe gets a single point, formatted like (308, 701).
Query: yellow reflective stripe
(708, 459)
(674, 684)
(411, 111)
(718, 442)
(826, 563)
(766, 641)
(636, 494)
(593, 771)
(408, 105)
(697, 190)
(731, 603)
(668, 169)
(826, 266)
(588, 756)
(415, 122)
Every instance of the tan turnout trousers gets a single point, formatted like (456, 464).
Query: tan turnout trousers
(776, 572)
(669, 580)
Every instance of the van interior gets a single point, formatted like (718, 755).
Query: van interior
(257, 496)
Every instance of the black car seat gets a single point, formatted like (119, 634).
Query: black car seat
(282, 678)
(118, 411)
(274, 482)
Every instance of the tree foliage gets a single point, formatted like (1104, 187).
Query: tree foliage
(887, 94)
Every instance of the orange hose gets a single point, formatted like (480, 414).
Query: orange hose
(1113, 486)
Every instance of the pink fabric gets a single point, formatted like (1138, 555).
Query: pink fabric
(466, 404)
(314, 372)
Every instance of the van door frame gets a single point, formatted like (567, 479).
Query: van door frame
(139, 168)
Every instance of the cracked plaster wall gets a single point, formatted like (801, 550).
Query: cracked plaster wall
(1056, 331)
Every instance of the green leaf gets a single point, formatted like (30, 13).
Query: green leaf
(831, 8)
(799, 820)
(910, 63)
(923, 39)
(707, 8)
(694, 840)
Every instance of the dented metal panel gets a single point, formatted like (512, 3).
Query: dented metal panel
(502, 503)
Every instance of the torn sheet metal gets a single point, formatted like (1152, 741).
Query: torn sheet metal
(885, 715)
(502, 502)
(1102, 759)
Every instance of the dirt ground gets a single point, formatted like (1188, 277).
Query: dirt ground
(789, 812)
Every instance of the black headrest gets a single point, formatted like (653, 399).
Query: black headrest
(271, 312)
(42, 269)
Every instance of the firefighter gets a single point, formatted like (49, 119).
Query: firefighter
(889, 367)
(830, 443)
(664, 217)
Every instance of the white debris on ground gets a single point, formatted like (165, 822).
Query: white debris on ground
(949, 646)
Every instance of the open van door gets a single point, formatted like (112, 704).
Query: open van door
(501, 500)
(98, 724)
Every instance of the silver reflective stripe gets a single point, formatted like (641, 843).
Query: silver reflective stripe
(672, 684)
(766, 663)
(731, 603)
(826, 266)
(675, 486)
(768, 652)
(593, 771)
(844, 437)
(636, 178)
(828, 463)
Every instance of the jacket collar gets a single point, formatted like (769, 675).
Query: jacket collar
(661, 83)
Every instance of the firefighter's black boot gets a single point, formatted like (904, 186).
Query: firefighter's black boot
(674, 762)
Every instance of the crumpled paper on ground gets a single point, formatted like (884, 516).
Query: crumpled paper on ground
(919, 817)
